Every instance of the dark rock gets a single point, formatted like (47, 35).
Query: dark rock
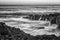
(58, 20)
(3, 29)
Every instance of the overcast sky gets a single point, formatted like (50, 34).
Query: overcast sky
(28, 2)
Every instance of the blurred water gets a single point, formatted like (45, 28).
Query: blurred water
(28, 26)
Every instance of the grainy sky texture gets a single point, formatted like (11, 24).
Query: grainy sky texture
(28, 2)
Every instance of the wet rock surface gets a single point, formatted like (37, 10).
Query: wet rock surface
(13, 33)
(53, 18)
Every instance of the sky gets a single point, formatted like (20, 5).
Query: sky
(28, 2)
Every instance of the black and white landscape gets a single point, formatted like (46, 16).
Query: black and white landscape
(37, 22)
(29, 19)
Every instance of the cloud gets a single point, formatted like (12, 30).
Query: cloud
(29, 2)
